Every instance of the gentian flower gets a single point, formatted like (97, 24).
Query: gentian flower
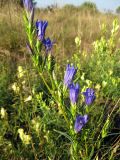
(89, 96)
(28, 4)
(48, 44)
(80, 122)
(69, 75)
(74, 92)
(41, 27)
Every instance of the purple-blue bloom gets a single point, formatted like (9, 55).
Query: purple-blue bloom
(41, 27)
(48, 44)
(28, 4)
(74, 92)
(69, 75)
(80, 122)
(89, 96)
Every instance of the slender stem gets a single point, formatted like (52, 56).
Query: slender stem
(73, 109)
(52, 81)
(45, 83)
(59, 106)
(30, 37)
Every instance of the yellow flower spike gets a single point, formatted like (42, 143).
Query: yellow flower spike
(29, 98)
(24, 137)
(3, 113)
(98, 86)
(110, 72)
(83, 77)
(36, 125)
(88, 82)
(96, 158)
(21, 72)
(21, 132)
(78, 41)
(27, 139)
(15, 87)
(104, 84)
(20, 69)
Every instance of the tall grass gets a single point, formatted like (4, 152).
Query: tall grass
(37, 113)
(82, 23)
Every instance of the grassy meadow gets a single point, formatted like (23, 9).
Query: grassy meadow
(37, 113)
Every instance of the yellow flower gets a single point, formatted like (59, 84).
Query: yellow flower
(21, 72)
(3, 113)
(88, 82)
(83, 76)
(29, 98)
(104, 84)
(15, 88)
(36, 125)
(78, 41)
(27, 139)
(24, 137)
(98, 86)
(110, 72)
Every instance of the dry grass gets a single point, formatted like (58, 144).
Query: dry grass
(64, 26)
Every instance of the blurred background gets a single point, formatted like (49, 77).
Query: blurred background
(82, 16)
(67, 19)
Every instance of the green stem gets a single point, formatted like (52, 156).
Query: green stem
(52, 81)
(60, 107)
(73, 109)
(74, 152)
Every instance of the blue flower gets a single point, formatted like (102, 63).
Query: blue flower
(69, 75)
(28, 4)
(41, 27)
(74, 92)
(89, 96)
(48, 44)
(80, 122)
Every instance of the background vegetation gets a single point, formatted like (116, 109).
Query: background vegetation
(84, 36)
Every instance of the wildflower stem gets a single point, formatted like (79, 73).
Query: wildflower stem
(59, 106)
(73, 109)
(51, 79)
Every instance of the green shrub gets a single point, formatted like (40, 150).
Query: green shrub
(89, 6)
(118, 10)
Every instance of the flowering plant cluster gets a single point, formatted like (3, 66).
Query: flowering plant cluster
(37, 40)
(36, 37)
(48, 114)
(80, 120)
(74, 93)
(41, 28)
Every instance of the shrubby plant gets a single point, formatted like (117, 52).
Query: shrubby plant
(53, 117)
(118, 10)
(105, 58)
(89, 6)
